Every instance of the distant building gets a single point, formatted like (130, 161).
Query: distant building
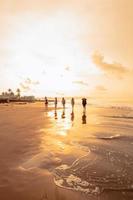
(28, 98)
(6, 97)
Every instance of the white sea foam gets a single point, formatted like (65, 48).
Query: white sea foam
(109, 137)
(76, 180)
(100, 169)
(63, 167)
(76, 183)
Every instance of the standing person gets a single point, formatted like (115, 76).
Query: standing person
(72, 103)
(55, 102)
(46, 101)
(63, 102)
(84, 102)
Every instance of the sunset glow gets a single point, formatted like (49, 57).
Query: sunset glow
(63, 50)
(66, 99)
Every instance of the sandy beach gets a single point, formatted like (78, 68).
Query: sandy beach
(20, 141)
(57, 155)
(66, 100)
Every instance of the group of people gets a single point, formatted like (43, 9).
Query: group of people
(63, 101)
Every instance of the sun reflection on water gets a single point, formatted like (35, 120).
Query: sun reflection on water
(63, 121)
(68, 126)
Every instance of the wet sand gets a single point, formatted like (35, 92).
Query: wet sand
(95, 150)
(45, 154)
(19, 142)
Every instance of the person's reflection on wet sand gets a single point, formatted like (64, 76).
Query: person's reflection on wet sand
(72, 116)
(55, 114)
(55, 102)
(84, 118)
(63, 114)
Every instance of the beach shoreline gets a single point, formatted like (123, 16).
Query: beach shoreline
(18, 126)
(34, 140)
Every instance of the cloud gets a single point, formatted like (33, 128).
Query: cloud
(80, 83)
(115, 69)
(24, 87)
(30, 82)
(101, 88)
(99, 91)
(27, 84)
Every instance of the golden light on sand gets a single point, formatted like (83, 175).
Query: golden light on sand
(51, 50)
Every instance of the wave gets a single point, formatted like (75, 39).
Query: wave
(111, 137)
(76, 183)
(119, 116)
(99, 170)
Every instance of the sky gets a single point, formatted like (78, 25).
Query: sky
(67, 47)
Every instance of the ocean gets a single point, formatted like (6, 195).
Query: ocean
(95, 148)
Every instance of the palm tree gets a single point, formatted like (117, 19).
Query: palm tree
(12, 93)
(9, 90)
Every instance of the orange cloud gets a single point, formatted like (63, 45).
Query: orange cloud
(101, 88)
(115, 69)
(99, 91)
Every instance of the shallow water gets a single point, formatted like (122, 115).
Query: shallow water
(90, 152)
(99, 144)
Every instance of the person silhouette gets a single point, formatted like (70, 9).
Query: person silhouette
(46, 101)
(84, 118)
(84, 102)
(72, 102)
(55, 102)
(63, 102)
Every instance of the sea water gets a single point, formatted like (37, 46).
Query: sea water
(105, 137)
(90, 150)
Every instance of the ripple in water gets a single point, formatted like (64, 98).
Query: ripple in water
(106, 165)
(97, 171)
